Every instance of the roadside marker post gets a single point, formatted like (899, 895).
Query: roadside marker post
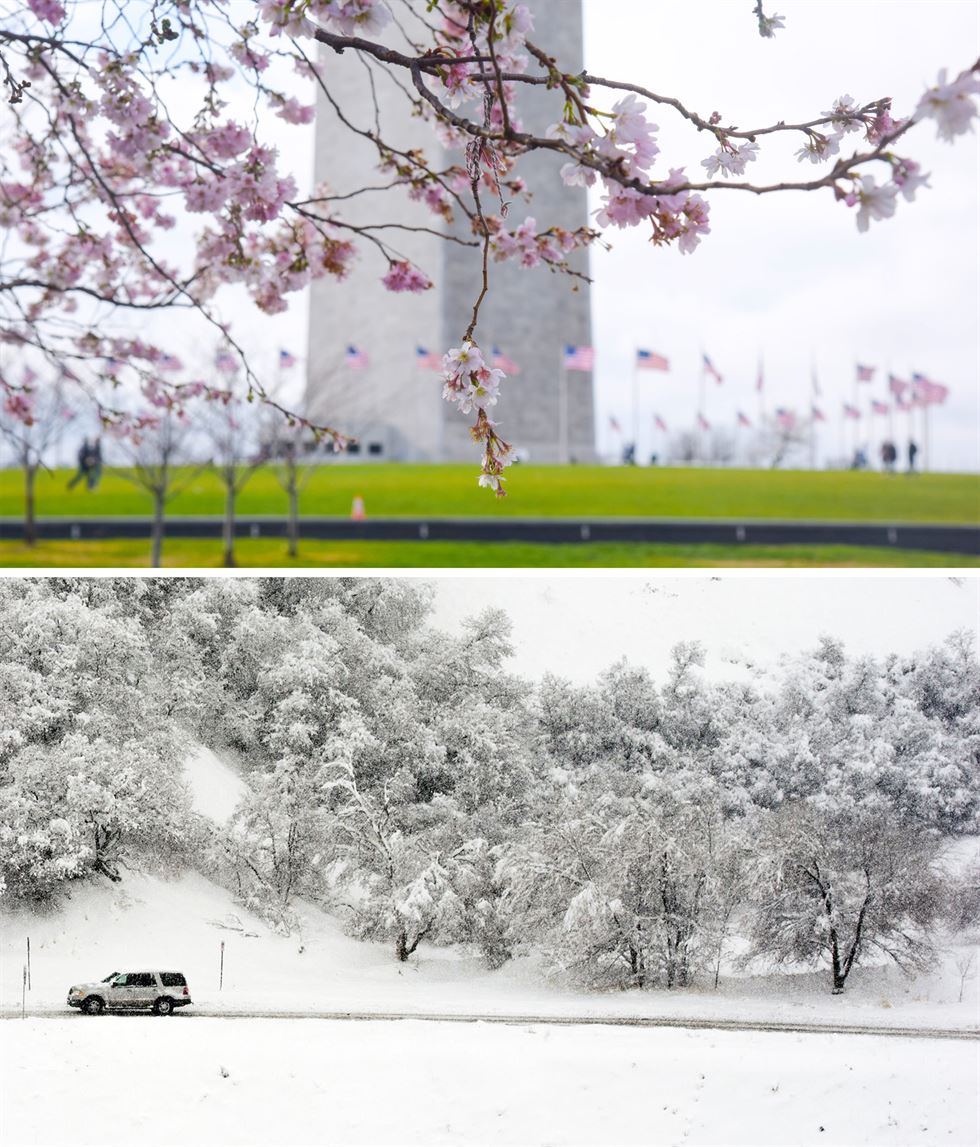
(221, 973)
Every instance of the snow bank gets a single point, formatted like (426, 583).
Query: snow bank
(312, 1082)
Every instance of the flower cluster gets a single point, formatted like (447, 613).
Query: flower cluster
(729, 159)
(529, 246)
(348, 17)
(473, 386)
(951, 105)
(625, 149)
(402, 276)
(467, 380)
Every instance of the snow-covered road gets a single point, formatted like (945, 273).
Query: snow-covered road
(293, 1081)
(692, 1022)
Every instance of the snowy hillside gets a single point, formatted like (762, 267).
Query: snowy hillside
(181, 923)
(215, 786)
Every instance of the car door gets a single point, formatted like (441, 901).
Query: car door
(132, 990)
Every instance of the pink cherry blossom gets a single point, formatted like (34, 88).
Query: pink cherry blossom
(819, 147)
(873, 201)
(907, 178)
(951, 105)
(48, 10)
(403, 276)
(292, 111)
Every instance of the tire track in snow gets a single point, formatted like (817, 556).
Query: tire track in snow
(696, 1024)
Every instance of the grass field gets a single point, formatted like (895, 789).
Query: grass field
(186, 552)
(391, 490)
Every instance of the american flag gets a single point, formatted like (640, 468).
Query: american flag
(503, 362)
(427, 359)
(356, 359)
(703, 423)
(659, 423)
(742, 419)
(903, 406)
(785, 418)
(879, 407)
(226, 362)
(865, 373)
(614, 425)
(927, 392)
(709, 368)
(897, 386)
(169, 362)
(286, 360)
(578, 358)
(851, 411)
(650, 360)
(817, 414)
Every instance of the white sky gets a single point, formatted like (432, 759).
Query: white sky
(786, 276)
(577, 626)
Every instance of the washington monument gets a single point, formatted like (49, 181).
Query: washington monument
(393, 406)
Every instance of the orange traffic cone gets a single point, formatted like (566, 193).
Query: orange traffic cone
(357, 509)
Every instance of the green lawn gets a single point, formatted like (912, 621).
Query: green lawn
(391, 490)
(183, 552)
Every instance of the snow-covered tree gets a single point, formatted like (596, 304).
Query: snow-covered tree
(834, 890)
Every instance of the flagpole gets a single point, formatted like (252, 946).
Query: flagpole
(925, 437)
(702, 395)
(563, 412)
(813, 417)
(636, 415)
(813, 437)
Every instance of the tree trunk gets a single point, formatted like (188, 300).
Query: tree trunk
(838, 974)
(293, 526)
(30, 526)
(156, 533)
(401, 946)
(228, 530)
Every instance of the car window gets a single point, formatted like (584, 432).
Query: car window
(172, 979)
(140, 980)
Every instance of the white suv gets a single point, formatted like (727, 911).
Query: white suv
(159, 992)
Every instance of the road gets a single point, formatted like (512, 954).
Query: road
(696, 1024)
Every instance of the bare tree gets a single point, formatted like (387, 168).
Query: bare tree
(153, 459)
(235, 458)
(291, 452)
(38, 423)
(782, 435)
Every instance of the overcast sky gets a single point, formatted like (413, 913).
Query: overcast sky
(575, 627)
(786, 276)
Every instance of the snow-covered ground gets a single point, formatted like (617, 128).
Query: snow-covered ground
(181, 923)
(192, 1079)
(136, 1080)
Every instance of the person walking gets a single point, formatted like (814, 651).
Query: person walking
(913, 451)
(89, 464)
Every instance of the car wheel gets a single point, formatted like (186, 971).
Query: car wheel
(163, 1007)
(93, 1006)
